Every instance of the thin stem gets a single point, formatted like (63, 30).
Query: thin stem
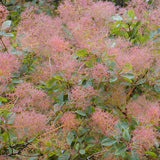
(88, 158)
(4, 45)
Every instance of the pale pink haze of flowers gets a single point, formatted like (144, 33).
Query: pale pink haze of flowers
(58, 45)
(140, 7)
(99, 72)
(29, 123)
(81, 96)
(69, 121)
(35, 30)
(136, 56)
(65, 64)
(148, 113)
(8, 64)
(3, 13)
(104, 121)
(29, 97)
(143, 138)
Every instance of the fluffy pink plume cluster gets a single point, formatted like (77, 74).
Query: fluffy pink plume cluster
(58, 45)
(100, 72)
(104, 121)
(3, 13)
(29, 124)
(8, 65)
(81, 96)
(136, 56)
(84, 28)
(30, 27)
(28, 97)
(143, 139)
(69, 121)
(65, 64)
(146, 112)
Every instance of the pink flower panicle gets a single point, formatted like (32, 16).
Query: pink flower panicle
(69, 121)
(58, 45)
(105, 121)
(140, 7)
(28, 96)
(42, 73)
(3, 13)
(29, 124)
(35, 30)
(136, 56)
(146, 112)
(8, 65)
(66, 64)
(80, 96)
(86, 21)
(99, 72)
(143, 138)
(101, 11)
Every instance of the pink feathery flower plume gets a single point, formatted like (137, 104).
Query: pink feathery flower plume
(99, 72)
(81, 96)
(8, 65)
(148, 113)
(34, 31)
(29, 124)
(104, 121)
(3, 13)
(143, 139)
(58, 45)
(29, 97)
(69, 121)
(65, 64)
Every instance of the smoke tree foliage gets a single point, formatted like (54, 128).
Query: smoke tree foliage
(82, 83)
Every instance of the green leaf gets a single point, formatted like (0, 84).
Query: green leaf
(113, 79)
(141, 81)
(128, 75)
(108, 142)
(6, 34)
(6, 24)
(82, 130)
(70, 138)
(61, 98)
(57, 77)
(57, 118)
(77, 146)
(156, 88)
(120, 150)
(127, 66)
(126, 135)
(9, 34)
(134, 155)
(82, 113)
(122, 125)
(11, 118)
(81, 53)
(131, 14)
(82, 151)
(89, 139)
(154, 155)
(89, 63)
(64, 156)
(2, 99)
(5, 136)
